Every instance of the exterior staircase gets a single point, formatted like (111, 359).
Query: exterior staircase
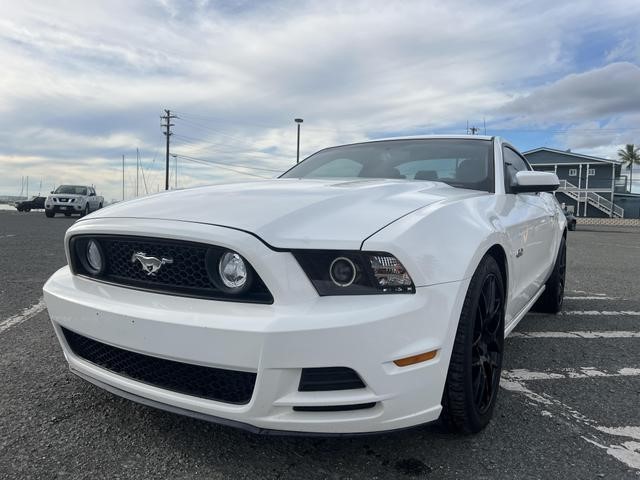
(592, 198)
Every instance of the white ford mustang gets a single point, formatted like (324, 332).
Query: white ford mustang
(369, 288)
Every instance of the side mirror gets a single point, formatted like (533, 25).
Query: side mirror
(92, 194)
(528, 181)
(51, 191)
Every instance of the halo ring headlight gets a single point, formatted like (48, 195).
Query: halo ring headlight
(342, 271)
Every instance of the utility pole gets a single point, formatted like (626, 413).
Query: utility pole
(123, 178)
(27, 187)
(137, 171)
(473, 130)
(298, 121)
(168, 134)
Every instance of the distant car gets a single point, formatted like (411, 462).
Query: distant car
(36, 203)
(571, 220)
(70, 199)
(368, 288)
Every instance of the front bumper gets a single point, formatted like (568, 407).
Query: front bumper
(64, 207)
(301, 330)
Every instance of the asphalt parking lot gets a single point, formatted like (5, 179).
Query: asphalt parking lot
(569, 406)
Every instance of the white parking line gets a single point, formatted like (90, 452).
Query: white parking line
(26, 314)
(586, 293)
(627, 452)
(632, 313)
(7, 236)
(592, 297)
(522, 374)
(585, 334)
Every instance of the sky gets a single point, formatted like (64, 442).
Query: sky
(85, 82)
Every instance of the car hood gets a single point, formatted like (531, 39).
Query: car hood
(293, 213)
(65, 195)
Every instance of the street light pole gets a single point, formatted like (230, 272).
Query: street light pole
(298, 121)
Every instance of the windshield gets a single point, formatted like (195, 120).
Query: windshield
(71, 190)
(462, 163)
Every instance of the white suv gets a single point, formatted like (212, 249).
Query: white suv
(70, 199)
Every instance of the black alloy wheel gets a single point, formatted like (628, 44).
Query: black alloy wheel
(487, 347)
(553, 296)
(473, 378)
(561, 277)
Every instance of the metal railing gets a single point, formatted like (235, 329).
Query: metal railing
(592, 198)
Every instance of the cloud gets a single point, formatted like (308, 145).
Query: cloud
(85, 82)
(602, 92)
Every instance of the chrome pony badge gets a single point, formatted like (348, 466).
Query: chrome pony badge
(150, 264)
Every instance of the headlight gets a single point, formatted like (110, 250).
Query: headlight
(229, 271)
(389, 272)
(94, 256)
(342, 272)
(354, 272)
(233, 271)
(91, 256)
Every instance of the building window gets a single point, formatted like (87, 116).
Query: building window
(573, 172)
(592, 172)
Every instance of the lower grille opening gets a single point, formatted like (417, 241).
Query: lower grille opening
(229, 386)
(335, 408)
(329, 378)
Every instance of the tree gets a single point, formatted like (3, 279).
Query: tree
(630, 155)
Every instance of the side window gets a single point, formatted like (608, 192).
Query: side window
(512, 163)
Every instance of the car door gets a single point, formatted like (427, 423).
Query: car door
(531, 232)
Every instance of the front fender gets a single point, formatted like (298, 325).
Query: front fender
(443, 242)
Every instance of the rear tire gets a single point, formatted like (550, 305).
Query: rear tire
(49, 214)
(473, 378)
(551, 299)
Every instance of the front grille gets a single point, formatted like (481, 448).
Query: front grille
(329, 378)
(189, 269)
(229, 386)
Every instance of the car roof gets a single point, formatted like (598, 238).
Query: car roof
(431, 137)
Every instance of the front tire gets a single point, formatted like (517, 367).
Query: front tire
(85, 211)
(473, 378)
(49, 214)
(553, 296)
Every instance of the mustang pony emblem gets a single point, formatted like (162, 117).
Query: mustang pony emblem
(150, 264)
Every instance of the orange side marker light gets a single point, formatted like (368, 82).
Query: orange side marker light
(421, 357)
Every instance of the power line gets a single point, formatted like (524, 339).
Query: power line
(218, 165)
(196, 142)
(239, 165)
